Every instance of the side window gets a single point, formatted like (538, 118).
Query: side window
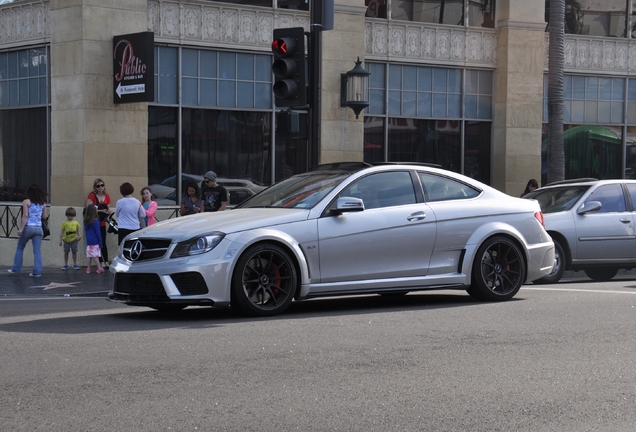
(438, 188)
(631, 187)
(387, 189)
(610, 196)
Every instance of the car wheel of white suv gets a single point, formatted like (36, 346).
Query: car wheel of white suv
(559, 266)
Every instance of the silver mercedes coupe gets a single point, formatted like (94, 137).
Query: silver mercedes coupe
(339, 229)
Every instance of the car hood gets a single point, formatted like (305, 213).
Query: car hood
(228, 222)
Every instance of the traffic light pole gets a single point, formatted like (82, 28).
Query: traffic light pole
(315, 76)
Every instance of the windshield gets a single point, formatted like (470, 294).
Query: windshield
(300, 191)
(557, 199)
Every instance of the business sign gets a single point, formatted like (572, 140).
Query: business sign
(134, 67)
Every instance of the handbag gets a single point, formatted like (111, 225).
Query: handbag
(45, 228)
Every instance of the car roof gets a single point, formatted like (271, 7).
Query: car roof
(585, 182)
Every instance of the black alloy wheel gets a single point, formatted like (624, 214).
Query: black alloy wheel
(264, 281)
(499, 270)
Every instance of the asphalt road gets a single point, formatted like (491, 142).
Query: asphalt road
(556, 358)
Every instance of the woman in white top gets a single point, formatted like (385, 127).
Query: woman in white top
(128, 212)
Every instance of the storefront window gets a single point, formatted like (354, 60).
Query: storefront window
(24, 137)
(425, 120)
(590, 151)
(478, 13)
(477, 150)
(374, 149)
(429, 11)
(429, 141)
(23, 146)
(594, 18)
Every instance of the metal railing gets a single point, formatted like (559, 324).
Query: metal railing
(11, 218)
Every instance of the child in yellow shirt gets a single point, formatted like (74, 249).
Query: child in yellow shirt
(70, 235)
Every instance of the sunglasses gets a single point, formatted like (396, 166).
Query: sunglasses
(100, 185)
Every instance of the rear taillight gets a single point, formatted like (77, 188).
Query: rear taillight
(539, 217)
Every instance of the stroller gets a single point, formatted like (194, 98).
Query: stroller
(112, 223)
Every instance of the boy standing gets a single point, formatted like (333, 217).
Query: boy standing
(70, 235)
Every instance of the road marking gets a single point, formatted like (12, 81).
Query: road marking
(579, 290)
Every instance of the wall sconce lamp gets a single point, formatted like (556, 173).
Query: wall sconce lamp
(354, 88)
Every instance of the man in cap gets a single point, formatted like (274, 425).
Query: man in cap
(214, 195)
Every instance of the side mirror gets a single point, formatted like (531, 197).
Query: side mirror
(348, 204)
(588, 207)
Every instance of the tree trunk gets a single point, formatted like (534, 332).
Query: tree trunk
(556, 153)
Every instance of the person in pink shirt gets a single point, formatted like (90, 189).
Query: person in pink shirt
(149, 205)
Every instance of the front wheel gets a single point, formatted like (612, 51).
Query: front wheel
(559, 267)
(264, 280)
(499, 270)
(601, 274)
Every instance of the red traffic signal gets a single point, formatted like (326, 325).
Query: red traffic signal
(279, 47)
(288, 68)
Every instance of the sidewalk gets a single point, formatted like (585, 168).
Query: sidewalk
(55, 282)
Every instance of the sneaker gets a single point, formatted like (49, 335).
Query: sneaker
(76, 267)
(100, 270)
(34, 275)
(88, 270)
(11, 271)
(65, 268)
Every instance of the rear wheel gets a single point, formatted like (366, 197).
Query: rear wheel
(559, 267)
(498, 270)
(601, 274)
(264, 280)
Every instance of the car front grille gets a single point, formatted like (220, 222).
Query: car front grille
(190, 283)
(145, 249)
(140, 286)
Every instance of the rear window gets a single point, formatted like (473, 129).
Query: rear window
(557, 199)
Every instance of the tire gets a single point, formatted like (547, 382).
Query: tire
(601, 274)
(264, 281)
(559, 267)
(499, 270)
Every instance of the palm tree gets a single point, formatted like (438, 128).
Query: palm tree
(556, 154)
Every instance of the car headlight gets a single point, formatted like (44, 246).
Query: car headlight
(197, 245)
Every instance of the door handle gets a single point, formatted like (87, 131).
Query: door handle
(625, 220)
(416, 216)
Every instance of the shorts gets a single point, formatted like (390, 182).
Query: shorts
(70, 246)
(93, 251)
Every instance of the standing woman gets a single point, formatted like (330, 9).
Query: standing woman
(192, 202)
(149, 205)
(33, 211)
(101, 200)
(128, 211)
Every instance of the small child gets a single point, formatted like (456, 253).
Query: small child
(70, 235)
(93, 237)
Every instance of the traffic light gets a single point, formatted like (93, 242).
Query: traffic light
(289, 67)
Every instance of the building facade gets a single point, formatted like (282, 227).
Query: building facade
(458, 83)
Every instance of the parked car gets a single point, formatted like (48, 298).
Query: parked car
(165, 193)
(169, 185)
(340, 229)
(593, 225)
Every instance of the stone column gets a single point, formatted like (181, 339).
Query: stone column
(91, 136)
(342, 134)
(518, 99)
